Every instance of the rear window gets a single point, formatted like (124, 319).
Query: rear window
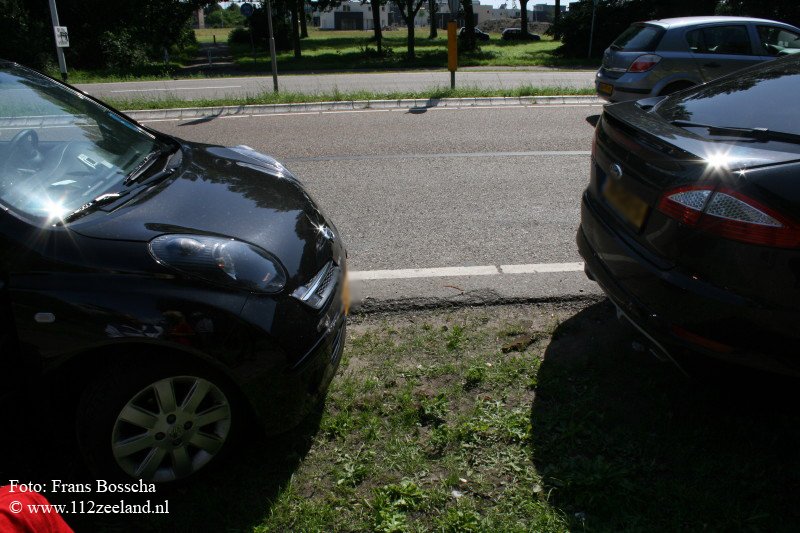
(764, 96)
(639, 38)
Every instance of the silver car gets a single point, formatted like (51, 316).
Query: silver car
(663, 56)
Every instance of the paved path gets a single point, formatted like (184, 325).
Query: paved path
(381, 82)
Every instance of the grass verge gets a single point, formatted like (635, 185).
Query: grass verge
(169, 101)
(509, 418)
(340, 50)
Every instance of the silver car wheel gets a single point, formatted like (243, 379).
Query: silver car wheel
(171, 429)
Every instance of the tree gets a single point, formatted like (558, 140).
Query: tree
(375, 5)
(294, 9)
(557, 16)
(408, 11)
(469, 24)
(125, 35)
(613, 16)
(433, 9)
(523, 14)
(303, 20)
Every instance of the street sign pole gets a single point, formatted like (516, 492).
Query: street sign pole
(271, 47)
(62, 63)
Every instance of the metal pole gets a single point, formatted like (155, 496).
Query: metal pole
(271, 47)
(591, 32)
(62, 63)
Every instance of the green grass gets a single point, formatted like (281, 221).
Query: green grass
(344, 50)
(207, 35)
(168, 101)
(431, 425)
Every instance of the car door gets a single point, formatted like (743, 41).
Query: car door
(8, 362)
(721, 49)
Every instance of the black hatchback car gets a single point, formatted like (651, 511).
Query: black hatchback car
(168, 292)
(691, 220)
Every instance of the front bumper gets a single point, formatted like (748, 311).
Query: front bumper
(679, 313)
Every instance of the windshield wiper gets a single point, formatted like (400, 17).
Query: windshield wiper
(93, 205)
(148, 161)
(758, 134)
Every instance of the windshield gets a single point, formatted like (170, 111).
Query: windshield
(58, 149)
(765, 96)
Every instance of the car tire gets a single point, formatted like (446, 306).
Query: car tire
(156, 423)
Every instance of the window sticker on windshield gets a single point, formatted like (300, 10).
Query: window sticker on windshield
(88, 160)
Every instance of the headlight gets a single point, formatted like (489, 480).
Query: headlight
(220, 260)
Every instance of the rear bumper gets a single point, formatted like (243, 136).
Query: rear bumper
(626, 87)
(679, 313)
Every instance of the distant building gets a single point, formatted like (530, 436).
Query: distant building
(349, 16)
(358, 16)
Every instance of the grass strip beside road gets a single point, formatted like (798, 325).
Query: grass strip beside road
(508, 418)
(168, 101)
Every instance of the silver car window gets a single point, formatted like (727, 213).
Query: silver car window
(720, 40)
(778, 41)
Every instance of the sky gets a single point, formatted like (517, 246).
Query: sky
(495, 3)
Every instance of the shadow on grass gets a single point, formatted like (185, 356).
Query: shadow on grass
(624, 442)
(233, 495)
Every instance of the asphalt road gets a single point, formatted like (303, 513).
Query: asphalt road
(381, 82)
(477, 192)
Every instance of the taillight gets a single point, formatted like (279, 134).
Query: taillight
(730, 214)
(644, 63)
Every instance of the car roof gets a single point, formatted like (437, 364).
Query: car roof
(681, 22)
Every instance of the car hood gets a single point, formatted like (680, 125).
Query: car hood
(226, 192)
(734, 155)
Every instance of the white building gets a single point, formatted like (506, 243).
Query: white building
(349, 16)
(358, 16)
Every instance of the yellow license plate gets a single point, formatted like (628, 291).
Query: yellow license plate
(631, 207)
(605, 88)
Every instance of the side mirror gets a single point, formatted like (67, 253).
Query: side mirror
(593, 120)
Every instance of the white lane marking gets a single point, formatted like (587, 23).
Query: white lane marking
(174, 89)
(408, 273)
(447, 272)
(541, 268)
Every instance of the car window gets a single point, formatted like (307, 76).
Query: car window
(638, 38)
(720, 40)
(778, 41)
(58, 149)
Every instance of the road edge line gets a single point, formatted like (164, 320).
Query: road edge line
(349, 105)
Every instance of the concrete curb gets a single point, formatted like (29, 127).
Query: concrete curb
(357, 105)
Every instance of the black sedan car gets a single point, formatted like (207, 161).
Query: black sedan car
(515, 34)
(691, 220)
(480, 35)
(163, 293)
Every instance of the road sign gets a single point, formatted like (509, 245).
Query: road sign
(246, 10)
(62, 36)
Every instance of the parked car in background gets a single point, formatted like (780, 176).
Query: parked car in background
(515, 34)
(660, 57)
(480, 35)
(165, 293)
(691, 219)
